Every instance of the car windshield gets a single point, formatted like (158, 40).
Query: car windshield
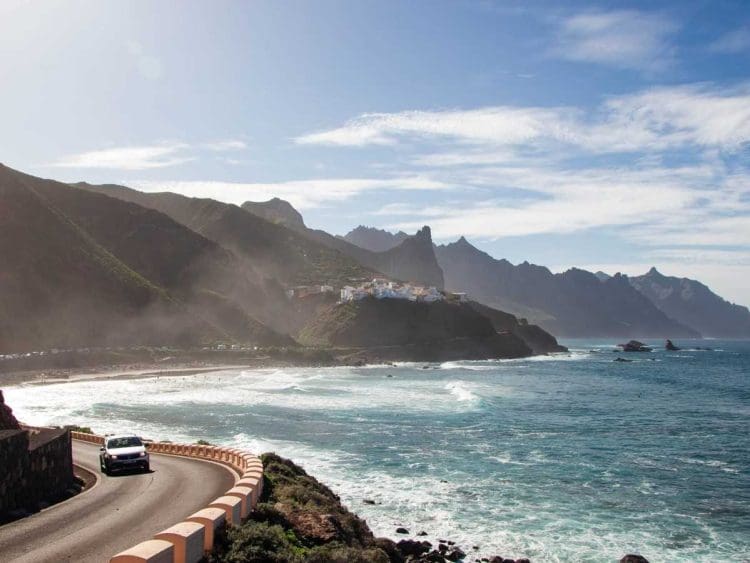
(126, 442)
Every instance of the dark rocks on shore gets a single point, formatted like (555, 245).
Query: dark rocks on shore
(413, 547)
(632, 558)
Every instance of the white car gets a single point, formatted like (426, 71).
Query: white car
(123, 451)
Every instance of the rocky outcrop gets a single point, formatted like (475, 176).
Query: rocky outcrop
(7, 420)
(693, 304)
(397, 329)
(277, 211)
(300, 520)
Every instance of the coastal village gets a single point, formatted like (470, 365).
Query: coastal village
(379, 288)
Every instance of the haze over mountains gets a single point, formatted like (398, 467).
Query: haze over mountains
(578, 303)
(88, 266)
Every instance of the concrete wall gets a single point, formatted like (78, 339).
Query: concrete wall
(35, 466)
(178, 543)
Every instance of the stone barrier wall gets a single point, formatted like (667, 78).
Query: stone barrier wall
(14, 452)
(189, 541)
(36, 465)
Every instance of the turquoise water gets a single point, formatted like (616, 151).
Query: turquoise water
(566, 458)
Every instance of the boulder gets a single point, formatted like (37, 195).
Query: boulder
(670, 346)
(413, 547)
(632, 558)
(402, 531)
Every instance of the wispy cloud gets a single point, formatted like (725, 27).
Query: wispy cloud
(303, 194)
(735, 41)
(657, 118)
(625, 39)
(146, 157)
(128, 158)
(225, 145)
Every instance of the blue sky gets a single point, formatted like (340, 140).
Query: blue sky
(604, 135)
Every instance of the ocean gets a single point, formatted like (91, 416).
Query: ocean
(570, 457)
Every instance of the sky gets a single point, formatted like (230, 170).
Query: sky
(609, 136)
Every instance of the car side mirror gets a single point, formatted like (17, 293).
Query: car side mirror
(101, 449)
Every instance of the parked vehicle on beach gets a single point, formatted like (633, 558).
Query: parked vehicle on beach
(123, 451)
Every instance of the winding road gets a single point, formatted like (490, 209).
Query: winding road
(117, 513)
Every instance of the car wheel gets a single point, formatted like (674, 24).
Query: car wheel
(147, 468)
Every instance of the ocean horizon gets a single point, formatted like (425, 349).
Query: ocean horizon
(568, 457)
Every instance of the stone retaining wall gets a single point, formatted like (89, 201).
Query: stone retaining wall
(36, 465)
(188, 541)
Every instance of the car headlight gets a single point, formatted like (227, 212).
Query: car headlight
(143, 454)
(113, 457)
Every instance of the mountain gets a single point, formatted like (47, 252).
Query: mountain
(402, 329)
(575, 303)
(82, 269)
(272, 250)
(275, 211)
(412, 260)
(376, 240)
(694, 305)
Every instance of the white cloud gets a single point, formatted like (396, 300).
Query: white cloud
(128, 158)
(303, 194)
(736, 41)
(624, 39)
(654, 119)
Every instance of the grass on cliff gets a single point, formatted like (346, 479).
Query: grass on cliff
(298, 520)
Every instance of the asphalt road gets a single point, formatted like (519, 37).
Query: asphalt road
(117, 513)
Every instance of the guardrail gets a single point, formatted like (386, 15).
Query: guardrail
(190, 540)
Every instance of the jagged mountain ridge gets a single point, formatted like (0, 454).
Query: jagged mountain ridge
(575, 303)
(412, 260)
(376, 240)
(694, 304)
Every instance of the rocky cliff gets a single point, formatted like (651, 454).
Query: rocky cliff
(398, 329)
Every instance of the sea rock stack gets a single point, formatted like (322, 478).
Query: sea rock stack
(671, 347)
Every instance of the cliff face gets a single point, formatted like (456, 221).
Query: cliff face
(575, 303)
(376, 240)
(539, 340)
(694, 304)
(414, 260)
(413, 331)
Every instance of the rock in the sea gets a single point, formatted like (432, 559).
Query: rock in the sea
(621, 360)
(402, 531)
(671, 347)
(632, 558)
(368, 501)
(635, 346)
(422, 533)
